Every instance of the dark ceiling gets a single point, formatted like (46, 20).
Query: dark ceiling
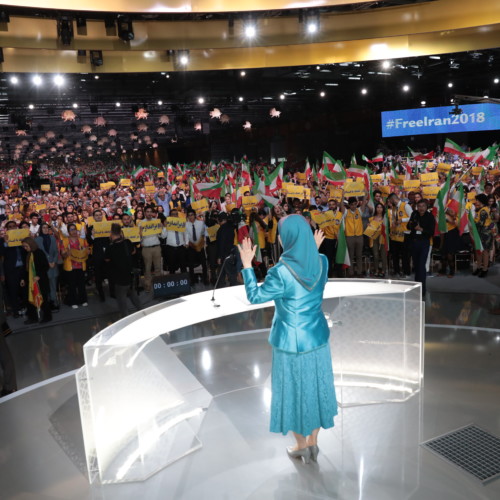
(471, 73)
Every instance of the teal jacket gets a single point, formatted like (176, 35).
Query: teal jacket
(299, 324)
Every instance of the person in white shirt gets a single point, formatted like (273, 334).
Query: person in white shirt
(34, 225)
(196, 232)
(151, 251)
(176, 248)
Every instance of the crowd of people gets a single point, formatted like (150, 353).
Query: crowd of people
(119, 235)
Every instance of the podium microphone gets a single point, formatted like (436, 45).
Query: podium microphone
(219, 277)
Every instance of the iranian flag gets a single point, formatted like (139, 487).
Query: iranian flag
(254, 234)
(485, 156)
(269, 201)
(360, 173)
(259, 185)
(139, 172)
(342, 255)
(457, 204)
(308, 170)
(475, 234)
(365, 158)
(245, 172)
(353, 160)
(453, 148)
(333, 171)
(210, 189)
(378, 158)
(274, 180)
(170, 173)
(191, 189)
(242, 231)
(417, 156)
(441, 202)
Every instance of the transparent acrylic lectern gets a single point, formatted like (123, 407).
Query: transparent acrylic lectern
(142, 408)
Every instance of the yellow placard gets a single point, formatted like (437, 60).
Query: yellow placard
(376, 178)
(62, 190)
(295, 192)
(200, 207)
(429, 179)
(148, 183)
(41, 206)
(230, 206)
(212, 232)
(477, 170)
(430, 192)
(132, 234)
(286, 186)
(15, 236)
(385, 190)
(410, 185)
(301, 177)
(373, 229)
(248, 202)
(397, 181)
(78, 255)
(354, 189)
(443, 168)
(494, 172)
(151, 227)
(102, 229)
(125, 182)
(336, 193)
(328, 219)
(161, 175)
(177, 224)
(104, 186)
(471, 195)
(149, 189)
(46, 187)
(244, 189)
(318, 217)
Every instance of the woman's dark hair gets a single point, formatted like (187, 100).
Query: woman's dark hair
(116, 229)
(31, 243)
(377, 205)
(482, 198)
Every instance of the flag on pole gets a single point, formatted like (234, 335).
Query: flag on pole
(441, 203)
(254, 234)
(457, 204)
(210, 189)
(342, 255)
(475, 234)
(378, 158)
(259, 184)
(417, 156)
(269, 201)
(274, 180)
(385, 231)
(139, 172)
(34, 292)
(353, 160)
(245, 171)
(308, 170)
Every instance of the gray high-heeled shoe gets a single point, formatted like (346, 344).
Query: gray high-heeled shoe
(314, 452)
(303, 453)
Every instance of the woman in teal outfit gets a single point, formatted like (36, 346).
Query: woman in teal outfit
(303, 395)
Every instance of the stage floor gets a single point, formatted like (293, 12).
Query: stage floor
(373, 452)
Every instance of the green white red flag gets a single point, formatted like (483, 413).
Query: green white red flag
(342, 255)
(210, 189)
(475, 234)
(453, 148)
(139, 172)
(457, 204)
(441, 203)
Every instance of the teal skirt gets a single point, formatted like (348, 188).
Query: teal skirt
(303, 395)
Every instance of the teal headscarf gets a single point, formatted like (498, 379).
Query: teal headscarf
(300, 254)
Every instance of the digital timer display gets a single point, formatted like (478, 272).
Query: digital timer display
(171, 284)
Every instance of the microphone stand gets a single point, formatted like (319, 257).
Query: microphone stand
(218, 279)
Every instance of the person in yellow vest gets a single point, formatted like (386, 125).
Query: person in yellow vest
(333, 218)
(377, 241)
(399, 215)
(354, 235)
(484, 225)
(75, 252)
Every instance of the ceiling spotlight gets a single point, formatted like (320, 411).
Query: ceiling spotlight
(118, 104)
(14, 80)
(450, 85)
(250, 31)
(96, 77)
(364, 91)
(65, 31)
(31, 106)
(423, 103)
(386, 64)
(318, 67)
(282, 96)
(243, 73)
(58, 80)
(240, 99)
(486, 96)
(184, 59)
(160, 103)
(201, 100)
(496, 80)
(322, 94)
(312, 27)
(406, 88)
(37, 80)
(125, 29)
(75, 105)
(96, 58)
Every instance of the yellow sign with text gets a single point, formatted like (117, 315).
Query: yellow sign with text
(149, 189)
(125, 182)
(200, 207)
(212, 232)
(430, 192)
(132, 234)
(15, 236)
(101, 229)
(295, 191)
(410, 185)
(46, 187)
(477, 170)
(336, 194)
(248, 202)
(151, 227)
(354, 189)
(301, 177)
(41, 206)
(175, 224)
(376, 178)
(429, 179)
(443, 168)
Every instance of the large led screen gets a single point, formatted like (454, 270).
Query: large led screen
(474, 117)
